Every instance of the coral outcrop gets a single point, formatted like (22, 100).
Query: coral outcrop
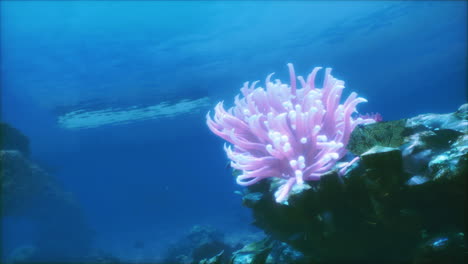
(404, 200)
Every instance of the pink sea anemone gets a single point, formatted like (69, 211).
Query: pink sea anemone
(285, 132)
(376, 116)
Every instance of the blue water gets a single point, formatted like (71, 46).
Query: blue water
(150, 179)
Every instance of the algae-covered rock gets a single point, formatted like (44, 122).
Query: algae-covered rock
(386, 134)
(406, 190)
(253, 253)
(268, 251)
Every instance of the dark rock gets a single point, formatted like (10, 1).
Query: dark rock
(27, 191)
(12, 139)
(284, 253)
(448, 248)
(200, 244)
(252, 199)
(218, 259)
(384, 170)
(208, 249)
(408, 188)
(22, 182)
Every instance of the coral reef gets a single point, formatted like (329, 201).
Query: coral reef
(281, 131)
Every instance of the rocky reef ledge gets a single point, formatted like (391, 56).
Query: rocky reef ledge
(403, 201)
(61, 232)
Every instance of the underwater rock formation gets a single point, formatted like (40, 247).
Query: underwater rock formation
(200, 244)
(268, 251)
(404, 200)
(12, 139)
(27, 191)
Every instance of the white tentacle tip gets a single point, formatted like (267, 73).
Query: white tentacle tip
(299, 178)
